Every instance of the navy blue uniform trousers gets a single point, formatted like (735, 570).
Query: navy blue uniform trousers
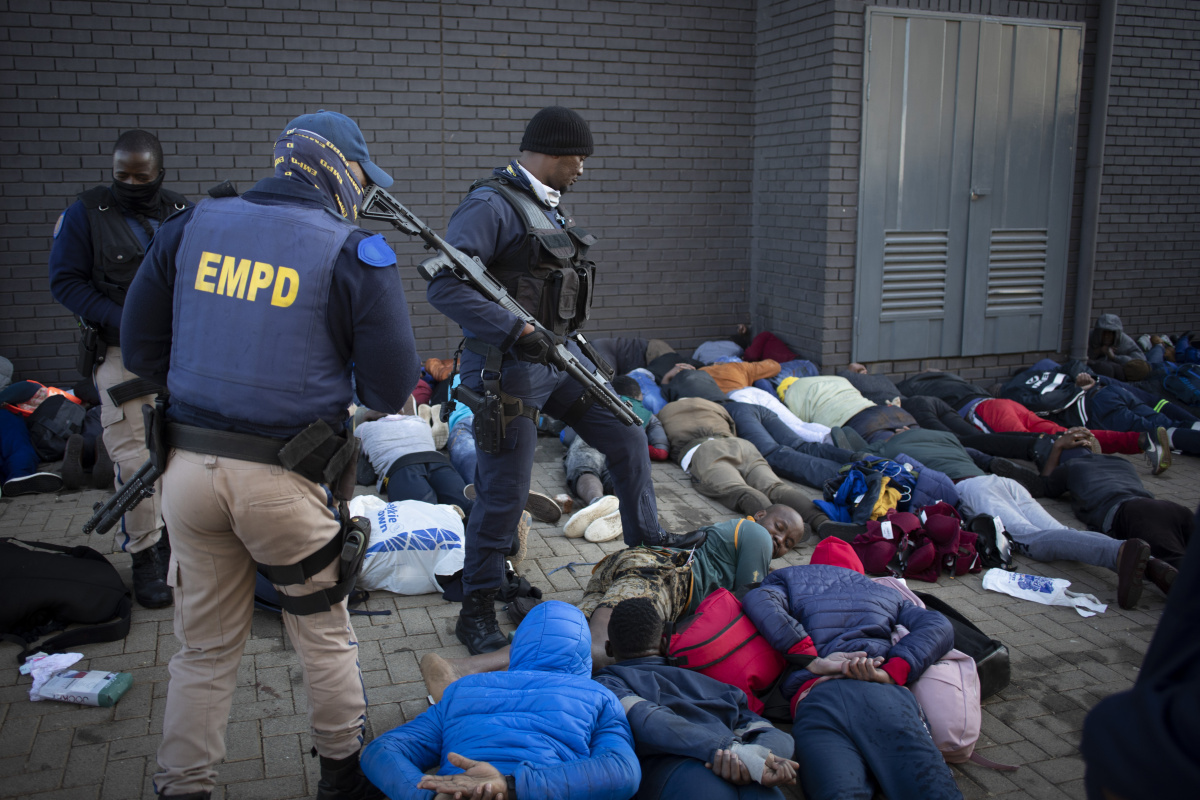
(502, 479)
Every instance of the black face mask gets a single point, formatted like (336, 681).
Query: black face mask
(139, 198)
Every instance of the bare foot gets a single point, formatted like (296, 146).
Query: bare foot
(438, 674)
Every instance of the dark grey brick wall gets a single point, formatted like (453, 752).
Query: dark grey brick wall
(809, 66)
(724, 186)
(442, 90)
(1148, 252)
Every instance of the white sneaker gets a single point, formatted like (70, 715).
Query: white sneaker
(441, 430)
(581, 520)
(604, 529)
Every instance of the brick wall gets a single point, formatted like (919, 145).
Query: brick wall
(724, 186)
(809, 69)
(1148, 251)
(442, 91)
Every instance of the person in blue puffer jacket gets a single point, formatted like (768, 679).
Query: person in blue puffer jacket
(863, 732)
(543, 729)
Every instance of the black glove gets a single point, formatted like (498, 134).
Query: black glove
(536, 346)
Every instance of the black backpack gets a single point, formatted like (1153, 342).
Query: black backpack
(990, 655)
(44, 592)
(52, 423)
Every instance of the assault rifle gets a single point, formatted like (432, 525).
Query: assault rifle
(378, 204)
(135, 490)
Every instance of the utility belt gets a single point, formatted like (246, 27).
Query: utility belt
(317, 453)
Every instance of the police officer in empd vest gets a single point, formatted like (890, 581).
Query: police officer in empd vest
(99, 242)
(254, 311)
(512, 221)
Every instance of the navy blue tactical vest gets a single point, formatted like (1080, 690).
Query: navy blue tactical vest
(250, 340)
(549, 274)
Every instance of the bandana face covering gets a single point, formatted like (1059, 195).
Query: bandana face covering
(139, 198)
(309, 157)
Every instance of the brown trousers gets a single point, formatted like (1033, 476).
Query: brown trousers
(224, 516)
(125, 440)
(734, 473)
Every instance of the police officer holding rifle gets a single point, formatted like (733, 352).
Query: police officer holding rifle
(513, 223)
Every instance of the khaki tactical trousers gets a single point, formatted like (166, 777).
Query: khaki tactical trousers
(225, 515)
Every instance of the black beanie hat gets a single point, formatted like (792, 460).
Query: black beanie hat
(557, 131)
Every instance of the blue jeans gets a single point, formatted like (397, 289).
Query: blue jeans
(852, 736)
(790, 456)
(17, 456)
(681, 778)
(502, 479)
(1036, 533)
(433, 482)
(461, 447)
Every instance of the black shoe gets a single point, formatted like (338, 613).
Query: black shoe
(1034, 483)
(72, 466)
(846, 531)
(343, 779)
(37, 483)
(477, 627)
(1132, 559)
(103, 473)
(149, 587)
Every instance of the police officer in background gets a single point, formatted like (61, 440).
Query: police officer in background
(99, 242)
(253, 311)
(513, 223)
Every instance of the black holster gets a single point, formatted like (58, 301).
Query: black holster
(92, 349)
(489, 418)
(155, 419)
(324, 456)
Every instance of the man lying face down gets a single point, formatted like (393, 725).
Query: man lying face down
(530, 732)
(696, 737)
(855, 726)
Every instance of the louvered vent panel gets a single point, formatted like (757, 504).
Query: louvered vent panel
(1016, 270)
(914, 273)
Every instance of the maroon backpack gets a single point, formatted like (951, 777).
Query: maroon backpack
(918, 546)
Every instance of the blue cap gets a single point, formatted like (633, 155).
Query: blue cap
(346, 136)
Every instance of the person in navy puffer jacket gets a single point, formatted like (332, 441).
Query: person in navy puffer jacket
(543, 729)
(864, 731)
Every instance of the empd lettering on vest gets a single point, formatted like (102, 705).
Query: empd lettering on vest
(243, 278)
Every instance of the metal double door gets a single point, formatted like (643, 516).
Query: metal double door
(966, 177)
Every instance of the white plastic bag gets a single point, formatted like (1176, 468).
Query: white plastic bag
(1039, 589)
(411, 544)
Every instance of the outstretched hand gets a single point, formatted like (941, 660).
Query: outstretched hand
(479, 780)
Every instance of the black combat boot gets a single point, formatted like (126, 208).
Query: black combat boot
(149, 587)
(343, 779)
(477, 627)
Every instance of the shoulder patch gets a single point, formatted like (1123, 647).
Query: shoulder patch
(58, 225)
(374, 251)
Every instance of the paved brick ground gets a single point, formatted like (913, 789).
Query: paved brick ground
(1062, 664)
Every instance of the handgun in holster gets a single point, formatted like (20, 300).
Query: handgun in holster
(91, 348)
(154, 419)
(489, 418)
